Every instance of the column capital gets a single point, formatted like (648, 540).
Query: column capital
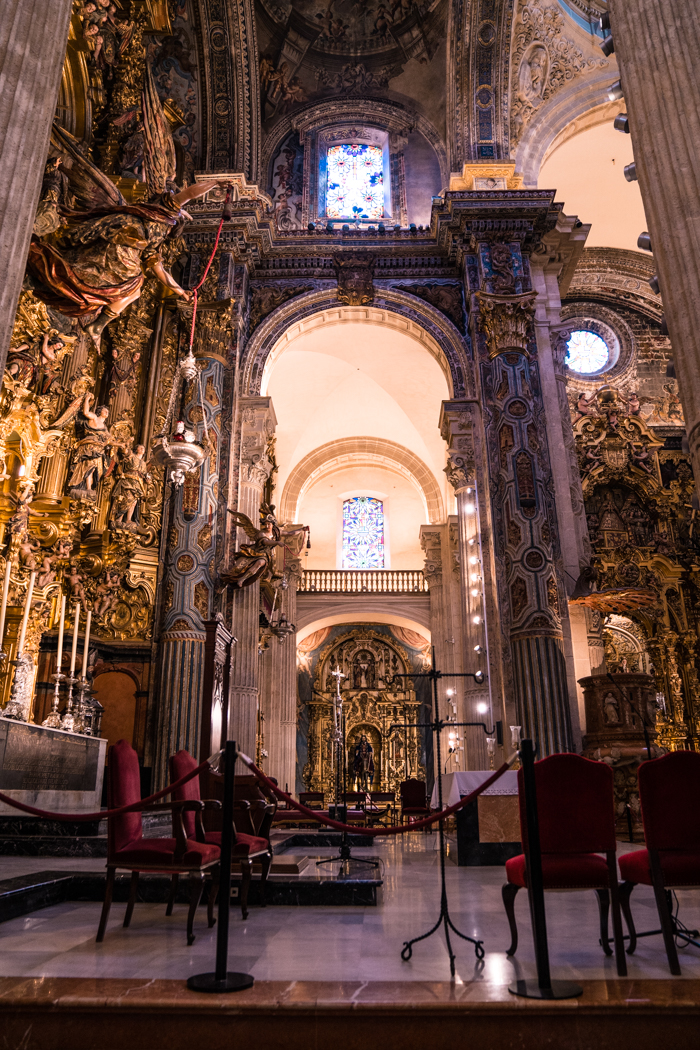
(506, 321)
(258, 423)
(457, 429)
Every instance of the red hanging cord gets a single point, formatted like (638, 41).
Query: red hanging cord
(224, 216)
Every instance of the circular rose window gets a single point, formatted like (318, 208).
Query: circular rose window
(587, 353)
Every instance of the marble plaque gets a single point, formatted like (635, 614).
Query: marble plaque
(50, 769)
(499, 819)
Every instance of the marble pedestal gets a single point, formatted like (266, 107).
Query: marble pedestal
(50, 769)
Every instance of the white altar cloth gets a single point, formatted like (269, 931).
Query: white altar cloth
(456, 785)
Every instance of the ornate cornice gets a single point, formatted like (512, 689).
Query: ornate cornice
(506, 321)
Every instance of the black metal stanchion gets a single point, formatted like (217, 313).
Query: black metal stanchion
(544, 987)
(223, 980)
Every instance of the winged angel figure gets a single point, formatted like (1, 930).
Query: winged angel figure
(95, 258)
(255, 560)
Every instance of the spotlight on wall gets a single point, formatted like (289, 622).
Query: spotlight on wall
(615, 91)
(644, 242)
(607, 46)
(654, 284)
(381, 227)
(479, 677)
(604, 22)
(329, 227)
(482, 708)
(311, 227)
(630, 172)
(621, 123)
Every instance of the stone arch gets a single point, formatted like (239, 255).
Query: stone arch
(335, 454)
(392, 308)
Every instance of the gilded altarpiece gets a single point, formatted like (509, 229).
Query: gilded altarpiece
(372, 702)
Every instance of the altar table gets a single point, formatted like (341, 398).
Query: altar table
(488, 829)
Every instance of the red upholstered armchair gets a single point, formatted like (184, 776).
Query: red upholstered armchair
(669, 789)
(414, 800)
(127, 848)
(577, 823)
(248, 846)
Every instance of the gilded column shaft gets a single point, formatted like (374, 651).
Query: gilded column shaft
(657, 46)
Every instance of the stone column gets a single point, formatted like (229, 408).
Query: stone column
(456, 428)
(33, 40)
(188, 586)
(531, 594)
(657, 46)
(258, 424)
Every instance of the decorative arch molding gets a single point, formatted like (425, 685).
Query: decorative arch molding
(328, 610)
(393, 117)
(228, 59)
(584, 104)
(392, 308)
(361, 451)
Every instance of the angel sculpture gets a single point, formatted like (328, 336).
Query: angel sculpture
(94, 260)
(255, 560)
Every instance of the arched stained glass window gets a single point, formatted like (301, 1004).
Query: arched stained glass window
(355, 182)
(363, 533)
(587, 353)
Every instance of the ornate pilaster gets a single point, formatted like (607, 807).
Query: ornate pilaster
(527, 552)
(189, 598)
(258, 422)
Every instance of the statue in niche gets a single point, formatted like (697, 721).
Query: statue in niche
(130, 488)
(363, 671)
(94, 261)
(363, 763)
(255, 561)
(611, 710)
(90, 456)
(533, 74)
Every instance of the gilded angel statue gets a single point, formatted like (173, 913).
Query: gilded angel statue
(255, 560)
(91, 261)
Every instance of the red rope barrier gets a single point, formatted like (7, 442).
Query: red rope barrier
(399, 829)
(208, 267)
(133, 807)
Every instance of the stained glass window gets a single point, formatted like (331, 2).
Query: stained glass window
(363, 533)
(586, 353)
(355, 182)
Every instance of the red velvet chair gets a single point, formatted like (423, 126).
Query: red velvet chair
(669, 789)
(128, 849)
(576, 815)
(248, 846)
(414, 800)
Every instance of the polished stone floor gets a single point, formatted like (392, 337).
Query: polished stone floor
(333, 943)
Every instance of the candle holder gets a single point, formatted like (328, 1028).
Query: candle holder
(515, 743)
(82, 718)
(68, 720)
(53, 719)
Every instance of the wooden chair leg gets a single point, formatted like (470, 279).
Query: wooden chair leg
(603, 897)
(174, 880)
(196, 887)
(246, 872)
(509, 893)
(625, 893)
(133, 889)
(618, 938)
(109, 890)
(213, 894)
(664, 910)
(266, 863)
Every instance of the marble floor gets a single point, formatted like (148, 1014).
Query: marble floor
(338, 943)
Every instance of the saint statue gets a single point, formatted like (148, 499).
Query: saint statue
(130, 489)
(611, 709)
(91, 261)
(363, 762)
(90, 456)
(255, 560)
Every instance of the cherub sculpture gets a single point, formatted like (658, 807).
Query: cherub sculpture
(47, 573)
(94, 264)
(75, 581)
(255, 560)
(27, 552)
(107, 594)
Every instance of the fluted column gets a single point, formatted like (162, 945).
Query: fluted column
(33, 40)
(278, 690)
(657, 46)
(531, 592)
(258, 424)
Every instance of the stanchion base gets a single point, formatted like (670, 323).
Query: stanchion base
(558, 990)
(232, 982)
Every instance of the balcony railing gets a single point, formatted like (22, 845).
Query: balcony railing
(361, 581)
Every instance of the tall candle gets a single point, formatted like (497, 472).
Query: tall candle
(74, 650)
(25, 618)
(61, 626)
(87, 642)
(5, 595)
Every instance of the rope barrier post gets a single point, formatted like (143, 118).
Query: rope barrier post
(544, 987)
(223, 980)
